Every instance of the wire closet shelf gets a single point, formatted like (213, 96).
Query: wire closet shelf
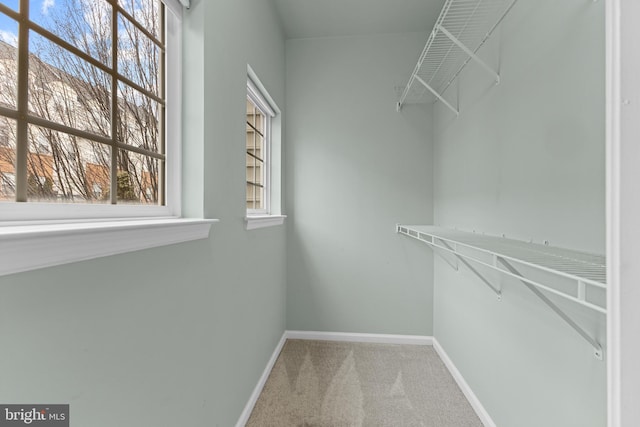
(535, 265)
(461, 30)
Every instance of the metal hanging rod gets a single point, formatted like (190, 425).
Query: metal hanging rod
(461, 29)
(587, 271)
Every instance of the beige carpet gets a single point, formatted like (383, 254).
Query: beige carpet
(340, 384)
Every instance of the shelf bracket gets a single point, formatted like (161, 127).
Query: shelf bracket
(429, 241)
(471, 54)
(440, 253)
(497, 291)
(596, 346)
(437, 95)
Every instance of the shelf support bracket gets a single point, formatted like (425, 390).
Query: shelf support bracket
(441, 254)
(437, 95)
(596, 346)
(436, 250)
(471, 54)
(497, 291)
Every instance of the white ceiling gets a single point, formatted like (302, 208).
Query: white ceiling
(325, 18)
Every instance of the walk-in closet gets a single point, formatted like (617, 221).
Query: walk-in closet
(319, 212)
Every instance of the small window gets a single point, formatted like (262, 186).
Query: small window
(258, 151)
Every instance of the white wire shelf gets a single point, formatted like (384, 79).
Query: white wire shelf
(461, 30)
(530, 263)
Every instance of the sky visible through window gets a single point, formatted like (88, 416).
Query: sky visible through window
(9, 27)
(42, 11)
(39, 10)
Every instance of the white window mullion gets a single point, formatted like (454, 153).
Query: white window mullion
(266, 171)
(22, 138)
(256, 189)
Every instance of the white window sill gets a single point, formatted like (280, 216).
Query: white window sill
(261, 221)
(31, 246)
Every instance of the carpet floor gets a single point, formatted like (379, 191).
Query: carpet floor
(344, 384)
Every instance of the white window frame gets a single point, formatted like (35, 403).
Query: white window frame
(271, 214)
(256, 97)
(35, 211)
(36, 235)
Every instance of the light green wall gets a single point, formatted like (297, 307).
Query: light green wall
(178, 335)
(355, 167)
(526, 158)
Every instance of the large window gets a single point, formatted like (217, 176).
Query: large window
(90, 127)
(83, 102)
(258, 146)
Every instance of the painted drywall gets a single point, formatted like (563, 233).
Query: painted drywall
(250, 313)
(526, 158)
(356, 167)
(177, 335)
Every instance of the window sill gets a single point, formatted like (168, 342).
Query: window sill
(261, 221)
(29, 247)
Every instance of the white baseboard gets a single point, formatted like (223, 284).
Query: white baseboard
(246, 413)
(356, 337)
(466, 390)
(370, 338)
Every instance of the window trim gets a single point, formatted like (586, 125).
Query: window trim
(29, 247)
(173, 113)
(260, 221)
